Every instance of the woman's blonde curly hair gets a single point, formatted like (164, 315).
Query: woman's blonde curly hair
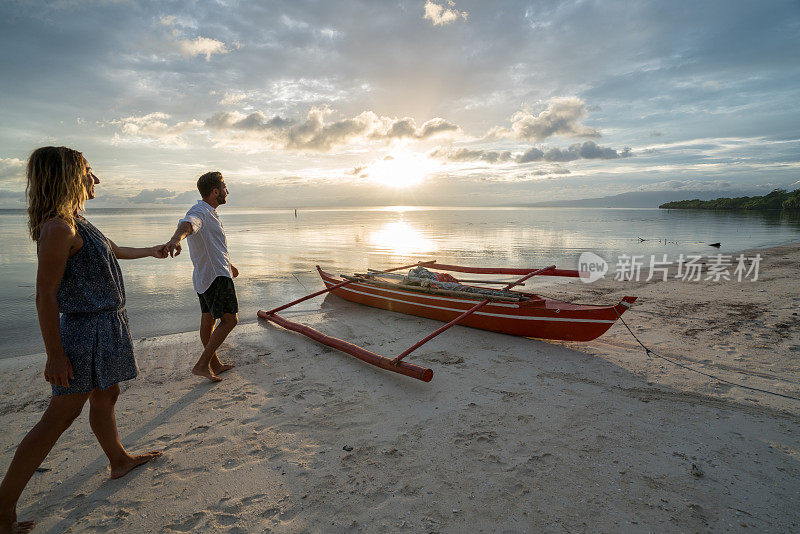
(56, 186)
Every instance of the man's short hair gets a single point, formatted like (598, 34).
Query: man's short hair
(208, 182)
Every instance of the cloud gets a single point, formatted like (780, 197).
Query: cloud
(163, 196)
(435, 126)
(316, 133)
(257, 131)
(568, 154)
(312, 134)
(154, 126)
(532, 154)
(590, 150)
(585, 150)
(149, 196)
(548, 172)
(201, 46)
(439, 15)
(561, 117)
(12, 169)
(465, 154)
(233, 98)
(198, 46)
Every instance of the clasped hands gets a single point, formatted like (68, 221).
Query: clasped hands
(171, 248)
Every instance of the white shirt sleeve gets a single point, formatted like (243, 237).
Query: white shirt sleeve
(193, 217)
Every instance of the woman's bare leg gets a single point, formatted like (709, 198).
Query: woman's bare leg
(104, 425)
(31, 452)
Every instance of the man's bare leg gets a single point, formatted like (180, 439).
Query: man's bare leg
(206, 326)
(104, 425)
(31, 452)
(223, 328)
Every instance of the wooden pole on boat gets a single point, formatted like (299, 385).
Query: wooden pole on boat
(397, 360)
(340, 284)
(501, 270)
(432, 290)
(407, 369)
(371, 272)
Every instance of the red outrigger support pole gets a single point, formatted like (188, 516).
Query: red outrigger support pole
(408, 369)
(396, 364)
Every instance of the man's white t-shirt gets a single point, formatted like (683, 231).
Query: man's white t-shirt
(208, 246)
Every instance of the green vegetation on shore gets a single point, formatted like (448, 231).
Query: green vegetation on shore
(778, 199)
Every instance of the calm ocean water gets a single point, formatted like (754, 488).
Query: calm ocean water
(276, 252)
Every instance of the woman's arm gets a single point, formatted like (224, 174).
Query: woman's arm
(134, 253)
(56, 241)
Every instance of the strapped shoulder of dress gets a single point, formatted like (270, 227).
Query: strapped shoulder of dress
(80, 228)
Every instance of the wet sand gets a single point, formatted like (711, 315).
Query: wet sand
(511, 435)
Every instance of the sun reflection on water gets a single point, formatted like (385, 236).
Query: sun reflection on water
(400, 238)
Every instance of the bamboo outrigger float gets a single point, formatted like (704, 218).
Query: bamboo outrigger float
(511, 312)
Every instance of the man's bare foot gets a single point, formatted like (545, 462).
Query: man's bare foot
(10, 525)
(206, 372)
(221, 367)
(130, 462)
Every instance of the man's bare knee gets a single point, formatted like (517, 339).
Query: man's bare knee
(230, 320)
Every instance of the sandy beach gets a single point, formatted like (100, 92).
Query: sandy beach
(512, 434)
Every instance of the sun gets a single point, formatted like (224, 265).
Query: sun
(401, 169)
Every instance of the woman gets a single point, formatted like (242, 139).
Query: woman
(89, 348)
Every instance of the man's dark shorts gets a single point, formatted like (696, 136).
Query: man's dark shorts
(219, 298)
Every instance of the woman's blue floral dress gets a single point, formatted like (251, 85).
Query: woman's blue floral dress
(94, 326)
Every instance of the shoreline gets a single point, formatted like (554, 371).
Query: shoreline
(254, 319)
(512, 434)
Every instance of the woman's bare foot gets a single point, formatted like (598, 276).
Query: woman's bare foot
(10, 525)
(206, 372)
(130, 462)
(221, 367)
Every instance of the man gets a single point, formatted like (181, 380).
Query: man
(213, 272)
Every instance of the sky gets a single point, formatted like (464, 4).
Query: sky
(368, 102)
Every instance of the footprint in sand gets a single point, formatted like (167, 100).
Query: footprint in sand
(254, 499)
(183, 474)
(231, 463)
(180, 444)
(198, 430)
(225, 520)
(186, 525)
(279, 514)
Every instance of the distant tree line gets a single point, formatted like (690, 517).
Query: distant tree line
(778, 199)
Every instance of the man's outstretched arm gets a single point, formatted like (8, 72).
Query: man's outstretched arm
(174, 244)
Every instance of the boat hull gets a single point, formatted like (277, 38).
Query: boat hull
(539, 317)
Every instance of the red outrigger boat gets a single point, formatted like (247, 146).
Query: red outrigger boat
(525, 314)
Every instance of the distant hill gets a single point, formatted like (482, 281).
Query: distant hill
(778, 199)
(634, 199)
